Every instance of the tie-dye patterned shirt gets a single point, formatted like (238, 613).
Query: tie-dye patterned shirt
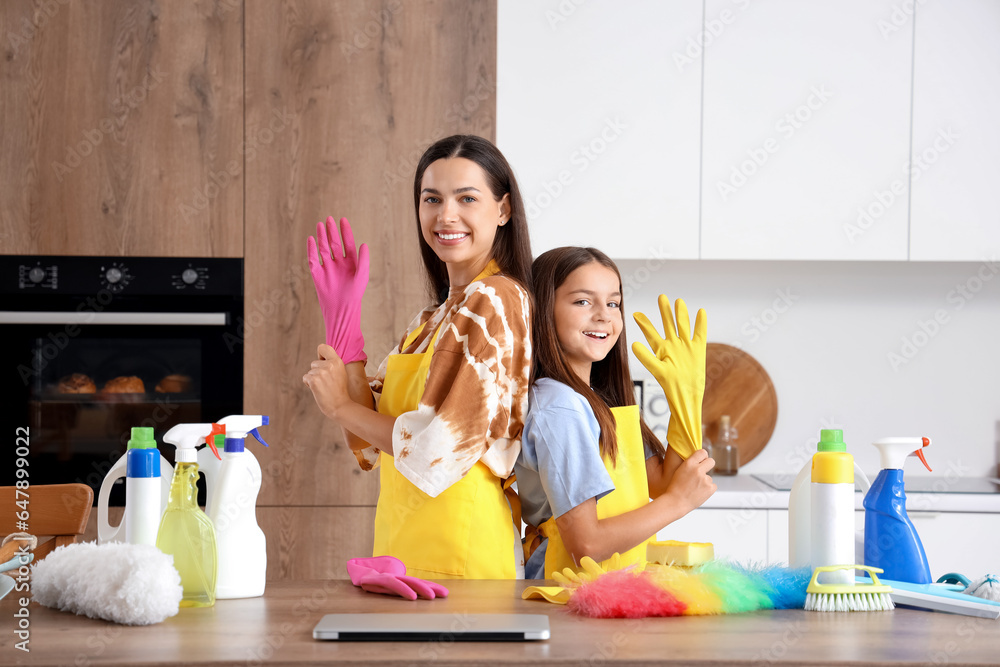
(476, 394)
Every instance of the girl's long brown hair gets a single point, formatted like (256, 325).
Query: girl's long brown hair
(511, 246)
(610, 378)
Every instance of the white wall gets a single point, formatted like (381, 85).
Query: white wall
(829, 352)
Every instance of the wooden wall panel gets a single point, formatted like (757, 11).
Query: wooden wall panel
(315, 542)
(364, 88)
(122, 128)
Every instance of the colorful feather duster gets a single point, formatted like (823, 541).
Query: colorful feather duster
(717, 587)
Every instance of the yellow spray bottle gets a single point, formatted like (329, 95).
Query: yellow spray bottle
(186, 532)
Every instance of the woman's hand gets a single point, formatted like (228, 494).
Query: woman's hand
(340, 274)
(327, 379)
(691, 485)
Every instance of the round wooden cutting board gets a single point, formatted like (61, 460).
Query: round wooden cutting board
(738, 386)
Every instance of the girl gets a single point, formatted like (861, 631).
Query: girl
(588, 464)
(443, 416)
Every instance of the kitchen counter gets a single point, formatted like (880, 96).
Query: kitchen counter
(743, 491)
(277, 629)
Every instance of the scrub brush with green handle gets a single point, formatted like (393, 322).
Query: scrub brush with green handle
(846, 597)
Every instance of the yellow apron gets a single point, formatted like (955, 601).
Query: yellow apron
(465, 532)
(631, 492)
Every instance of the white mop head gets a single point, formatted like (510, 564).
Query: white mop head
(987, 587)
(125, 583)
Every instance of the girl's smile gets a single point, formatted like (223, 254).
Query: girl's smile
(587, 316)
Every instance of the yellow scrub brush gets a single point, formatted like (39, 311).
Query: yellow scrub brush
(845, 597)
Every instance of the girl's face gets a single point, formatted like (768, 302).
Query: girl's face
(588, 316)
(459, 216)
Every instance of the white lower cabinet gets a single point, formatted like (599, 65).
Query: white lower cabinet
(740, 535)
(963, 542)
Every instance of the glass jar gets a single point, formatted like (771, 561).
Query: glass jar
(725, 451)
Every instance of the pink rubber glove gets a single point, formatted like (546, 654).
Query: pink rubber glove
(340, 282)
(387, 575)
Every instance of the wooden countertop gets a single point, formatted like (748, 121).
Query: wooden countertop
(277, 629)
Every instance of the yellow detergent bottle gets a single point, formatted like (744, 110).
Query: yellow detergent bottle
(186, 532)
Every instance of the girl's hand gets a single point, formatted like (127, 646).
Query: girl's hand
(327, 379)
(691, 485)
(677, 361)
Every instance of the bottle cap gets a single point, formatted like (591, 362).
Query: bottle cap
(142, 438)
(831, 440)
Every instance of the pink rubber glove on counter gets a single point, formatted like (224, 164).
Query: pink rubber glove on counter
(340, 279)
(387, 575)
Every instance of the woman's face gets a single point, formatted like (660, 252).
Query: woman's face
(459, 216)
(588, 316)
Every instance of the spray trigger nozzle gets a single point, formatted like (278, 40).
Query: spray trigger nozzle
(257, 435)
(920, 453)
(217, 429)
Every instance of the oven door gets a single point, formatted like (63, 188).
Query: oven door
(81, 380)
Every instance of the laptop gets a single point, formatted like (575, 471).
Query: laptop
(433, 627)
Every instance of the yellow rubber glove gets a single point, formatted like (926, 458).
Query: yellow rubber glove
(678, 364)
(570, 579)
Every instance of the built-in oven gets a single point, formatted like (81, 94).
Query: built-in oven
(94, 346)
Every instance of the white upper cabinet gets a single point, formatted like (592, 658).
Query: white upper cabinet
(599, 113)
(806, 135)
(956, 131)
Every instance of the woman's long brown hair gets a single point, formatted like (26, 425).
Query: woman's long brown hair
(511, 246)
(610, 378)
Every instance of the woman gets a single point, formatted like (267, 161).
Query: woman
(452, 396)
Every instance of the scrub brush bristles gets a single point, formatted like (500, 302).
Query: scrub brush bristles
(849, 601)
(839, 597)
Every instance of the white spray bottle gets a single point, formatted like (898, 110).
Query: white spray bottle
(147, 487)
(232, 506)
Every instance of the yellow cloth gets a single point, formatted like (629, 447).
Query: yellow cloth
(631, 492)
(678, 364)
(464, 532)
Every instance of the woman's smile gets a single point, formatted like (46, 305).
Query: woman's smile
(459, 216)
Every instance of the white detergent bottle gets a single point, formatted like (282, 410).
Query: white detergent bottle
(812, 539)
(147, 487)
(233, 510)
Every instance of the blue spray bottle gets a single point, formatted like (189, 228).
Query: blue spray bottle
(891, 540)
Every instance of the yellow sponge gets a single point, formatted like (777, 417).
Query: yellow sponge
(682, 554)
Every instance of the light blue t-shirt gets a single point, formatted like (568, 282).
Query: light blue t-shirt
(560, 464)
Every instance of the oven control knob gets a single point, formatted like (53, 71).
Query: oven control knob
(114, 275)
(36, 275)
(189, 276)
